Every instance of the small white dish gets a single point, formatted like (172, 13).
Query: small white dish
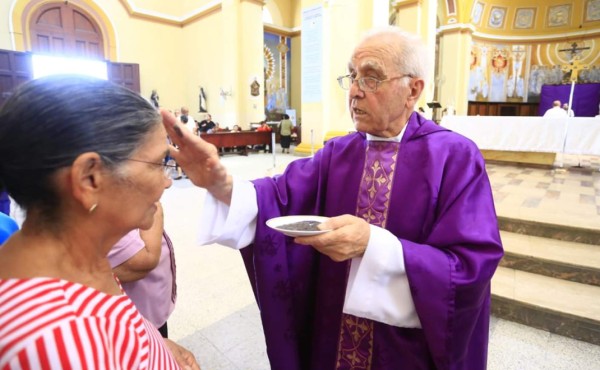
(277, 222)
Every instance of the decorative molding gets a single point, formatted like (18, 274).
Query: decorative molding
(456, 27)
(462, 27)
(406, 4)
(182, 21)
(257, 2)
(282, 31)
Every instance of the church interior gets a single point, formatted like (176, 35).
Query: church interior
(495, 67)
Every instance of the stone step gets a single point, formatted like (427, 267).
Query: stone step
(552, 231)
(563, 307)
(560, 259)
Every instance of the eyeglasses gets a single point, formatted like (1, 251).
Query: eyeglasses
(367, 84)
(167, 168)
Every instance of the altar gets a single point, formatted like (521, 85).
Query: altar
(532, 140)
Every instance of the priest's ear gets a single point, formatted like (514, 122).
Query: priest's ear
(416, 86)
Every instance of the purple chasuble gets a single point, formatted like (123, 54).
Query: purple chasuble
(439, 205)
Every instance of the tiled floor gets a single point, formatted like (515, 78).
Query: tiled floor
(217, 318)
(567, 195)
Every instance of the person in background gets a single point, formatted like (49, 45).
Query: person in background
(217, 128)
(556, 111)
(569, 111)
(154, 99)
(401, 275)
(4, 203)
(188, 121)
(236, 128)
(8, 226)
(206, 124)
(285, 133)
(264, 127)
(89, 171)
(144, 262)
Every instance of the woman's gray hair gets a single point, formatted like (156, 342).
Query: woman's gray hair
(409, 52)
(47, 123)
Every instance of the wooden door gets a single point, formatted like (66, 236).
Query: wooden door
(61, 28)
(126, 74)
(15, 68)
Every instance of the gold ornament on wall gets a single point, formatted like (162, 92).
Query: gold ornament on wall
(269, 63)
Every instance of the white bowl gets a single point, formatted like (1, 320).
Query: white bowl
(277, 222)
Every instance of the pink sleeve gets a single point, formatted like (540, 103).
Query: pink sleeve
(124, 249)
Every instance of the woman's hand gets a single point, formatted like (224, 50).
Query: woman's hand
(185, 359)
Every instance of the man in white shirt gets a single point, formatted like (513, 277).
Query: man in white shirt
(556, 111)
(187, 120)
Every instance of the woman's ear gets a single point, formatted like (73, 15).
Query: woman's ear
(86, 178)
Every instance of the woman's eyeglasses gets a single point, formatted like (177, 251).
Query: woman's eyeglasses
(167, 168)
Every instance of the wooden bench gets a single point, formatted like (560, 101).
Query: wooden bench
(238, 142)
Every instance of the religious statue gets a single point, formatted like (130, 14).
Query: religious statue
(476, 77)
(154, 98)
(255, 88)
(202, 101)
(499, 72)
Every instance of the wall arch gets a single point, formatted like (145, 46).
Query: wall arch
(22, 12)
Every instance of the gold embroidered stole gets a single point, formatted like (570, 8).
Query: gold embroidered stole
(355, 348)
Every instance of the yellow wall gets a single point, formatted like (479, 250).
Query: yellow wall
(250, 64)
(296, 77)
(202, 56)
(159, 6)
(5, 35)
(187, 6)
(156, 47)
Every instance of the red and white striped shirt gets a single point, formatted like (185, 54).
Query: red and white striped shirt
(48, 323)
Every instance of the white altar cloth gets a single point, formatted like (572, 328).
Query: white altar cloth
(573, 135)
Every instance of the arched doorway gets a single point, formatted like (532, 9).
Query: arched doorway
(62, 28)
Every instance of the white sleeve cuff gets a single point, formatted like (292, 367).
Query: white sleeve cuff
(235, 225)
(378, 287)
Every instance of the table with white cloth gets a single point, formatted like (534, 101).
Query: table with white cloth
(528, 139)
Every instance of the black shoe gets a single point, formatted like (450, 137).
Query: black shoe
(178, 178)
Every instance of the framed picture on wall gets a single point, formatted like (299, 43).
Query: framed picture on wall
(497, 15)
(559, 15)
(592, 10)
(524, 18)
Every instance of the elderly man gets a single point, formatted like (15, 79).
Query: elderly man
(402, 280)
(556, 111)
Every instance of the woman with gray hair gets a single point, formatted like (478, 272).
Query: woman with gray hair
(85, 160)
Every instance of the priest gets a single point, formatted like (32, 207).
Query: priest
(402, 280)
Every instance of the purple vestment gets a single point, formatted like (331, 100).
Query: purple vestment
(440, 207)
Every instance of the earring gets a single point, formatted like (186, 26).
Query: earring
(93, 207)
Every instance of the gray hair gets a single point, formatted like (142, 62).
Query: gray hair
(409, 52)
(47, 123)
